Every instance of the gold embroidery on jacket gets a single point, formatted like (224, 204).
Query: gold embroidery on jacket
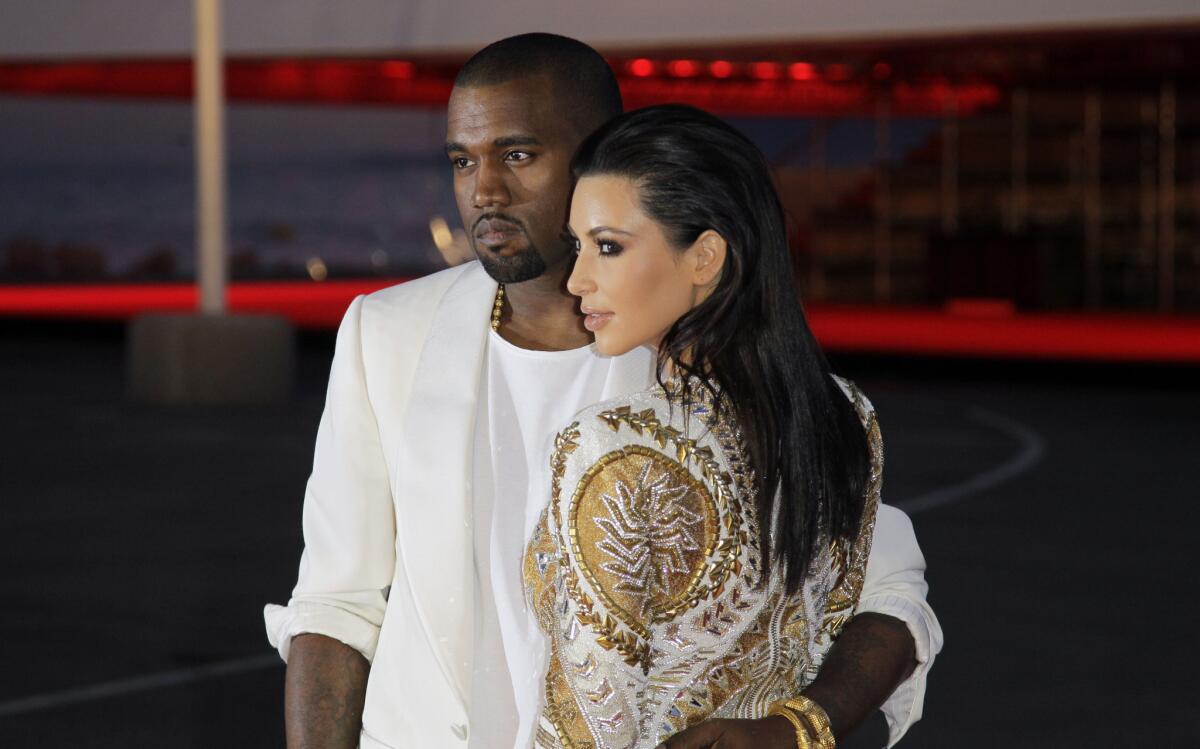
(641, 527)
(644, 572)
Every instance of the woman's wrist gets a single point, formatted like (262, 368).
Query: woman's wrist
(809, 721)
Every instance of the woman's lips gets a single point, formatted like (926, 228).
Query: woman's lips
(593, 321)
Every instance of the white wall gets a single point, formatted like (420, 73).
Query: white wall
(64, 28)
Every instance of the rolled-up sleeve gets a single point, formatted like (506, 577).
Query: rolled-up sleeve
(349, 525)
(895, 585)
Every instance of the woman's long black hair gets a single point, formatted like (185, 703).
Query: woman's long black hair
(693, 172)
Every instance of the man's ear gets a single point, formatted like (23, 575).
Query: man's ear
(709, 251)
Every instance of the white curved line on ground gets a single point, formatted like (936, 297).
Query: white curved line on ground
(1032, 450)
(122, 687)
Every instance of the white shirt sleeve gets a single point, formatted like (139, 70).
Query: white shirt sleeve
(349, 525)
(894, 584)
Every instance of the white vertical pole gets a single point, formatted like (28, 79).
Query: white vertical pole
(209, 105)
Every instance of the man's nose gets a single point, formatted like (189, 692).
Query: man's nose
(490, 187)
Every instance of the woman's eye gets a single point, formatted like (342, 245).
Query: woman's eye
(608, 247)
(575, 245)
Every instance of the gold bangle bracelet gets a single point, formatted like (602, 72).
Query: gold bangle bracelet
(803, 741)
(816, 717)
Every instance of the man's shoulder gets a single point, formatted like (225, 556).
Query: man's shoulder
(426, 290)
(397, 320)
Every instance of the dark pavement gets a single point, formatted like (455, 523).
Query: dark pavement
(1056, 506)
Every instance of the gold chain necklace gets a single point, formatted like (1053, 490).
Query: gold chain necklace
(497, 307)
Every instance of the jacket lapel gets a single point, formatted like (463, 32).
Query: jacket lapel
(436, 467)
(433, 485)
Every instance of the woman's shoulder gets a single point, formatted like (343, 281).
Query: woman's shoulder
(652, 397)
(656, 415)
(862, 404)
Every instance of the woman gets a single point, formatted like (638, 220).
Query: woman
(667, 596)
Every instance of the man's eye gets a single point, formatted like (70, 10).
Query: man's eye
(460, 162)
(518, 156)
(609, 247)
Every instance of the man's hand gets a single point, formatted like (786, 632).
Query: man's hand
(774, 732)
(873, 655)
(323, 699)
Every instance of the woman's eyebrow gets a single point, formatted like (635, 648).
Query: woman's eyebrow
(598, 229)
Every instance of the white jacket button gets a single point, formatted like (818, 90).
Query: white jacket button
(460, 730)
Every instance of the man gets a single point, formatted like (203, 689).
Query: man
(407, 625)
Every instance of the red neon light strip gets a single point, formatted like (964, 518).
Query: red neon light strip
(758, 88)
(304, 303)
(1098, 337)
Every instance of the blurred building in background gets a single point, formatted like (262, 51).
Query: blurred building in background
(1031, 158)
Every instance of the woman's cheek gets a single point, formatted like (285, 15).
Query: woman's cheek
(629, 303)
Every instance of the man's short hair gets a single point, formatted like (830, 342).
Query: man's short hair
(583, 81)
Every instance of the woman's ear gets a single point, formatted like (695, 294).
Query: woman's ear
(709, 257)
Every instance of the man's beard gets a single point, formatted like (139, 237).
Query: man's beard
(523, 266)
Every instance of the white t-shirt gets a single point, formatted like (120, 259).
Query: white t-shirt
(526, 397)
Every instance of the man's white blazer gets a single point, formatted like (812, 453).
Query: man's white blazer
(388, 567)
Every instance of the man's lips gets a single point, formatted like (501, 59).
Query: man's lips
(495, 233)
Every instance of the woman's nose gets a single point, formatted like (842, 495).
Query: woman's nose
(580, 282)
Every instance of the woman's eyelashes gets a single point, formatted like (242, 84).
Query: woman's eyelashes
(608, 247)
(603, 246)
